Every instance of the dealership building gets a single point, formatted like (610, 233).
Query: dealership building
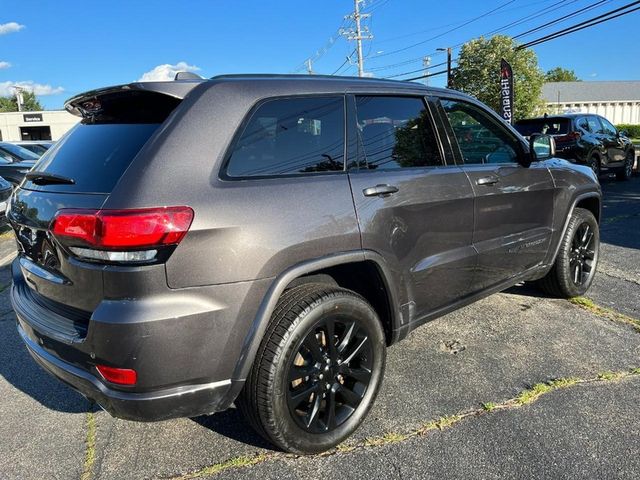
(44, 125)
(618, 101)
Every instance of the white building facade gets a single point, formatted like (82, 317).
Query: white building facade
(44, 125)
(618, 102)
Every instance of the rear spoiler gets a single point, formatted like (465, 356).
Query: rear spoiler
(177, 89)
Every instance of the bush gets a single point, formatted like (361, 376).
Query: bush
(633, 131)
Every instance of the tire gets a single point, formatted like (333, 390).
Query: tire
(294, 412)
(627, 170)
(581, 242)
(593, 162)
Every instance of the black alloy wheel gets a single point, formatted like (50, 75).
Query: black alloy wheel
(330, 374)
(583, 253)
(594, 164)
(627, 170)
(577, 259)
(317, 371)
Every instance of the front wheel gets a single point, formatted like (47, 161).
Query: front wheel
(577, 259)
(317, 371)
(627, 169)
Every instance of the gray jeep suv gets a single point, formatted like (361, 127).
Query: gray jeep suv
(261, 239)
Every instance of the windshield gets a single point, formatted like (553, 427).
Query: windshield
(547, 126)
(21, 153)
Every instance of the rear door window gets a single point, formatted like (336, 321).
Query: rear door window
(289, 136)
(395, 132)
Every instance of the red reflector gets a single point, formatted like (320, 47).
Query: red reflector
(121, 376)
(149, 227)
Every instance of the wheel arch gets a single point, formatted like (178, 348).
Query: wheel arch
(330, 269)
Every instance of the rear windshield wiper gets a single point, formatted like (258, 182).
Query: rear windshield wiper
(44, 178)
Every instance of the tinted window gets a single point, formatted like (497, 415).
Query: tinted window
(547, 126)
(608, 127)
(481, 138)
(583, 124)
(594, 125)
(94, 155)
(292, 135)
(395, 132)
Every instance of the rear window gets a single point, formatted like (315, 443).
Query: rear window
(97, 151)
(547, 126)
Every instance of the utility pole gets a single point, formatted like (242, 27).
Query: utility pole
(19, 97)
(309, 67)
(448, 50)
(426, 62)
(359, 34)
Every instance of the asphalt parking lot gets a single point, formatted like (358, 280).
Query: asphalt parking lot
(517, 385)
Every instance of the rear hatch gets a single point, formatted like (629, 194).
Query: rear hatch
(78, 173)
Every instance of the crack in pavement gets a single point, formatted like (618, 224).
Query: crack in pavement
(524, 398)
(613, 272)
(604, 312)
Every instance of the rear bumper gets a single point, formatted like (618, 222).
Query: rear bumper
(183, 401)
(184, 344)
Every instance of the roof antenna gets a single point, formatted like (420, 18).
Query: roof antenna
(187, 76)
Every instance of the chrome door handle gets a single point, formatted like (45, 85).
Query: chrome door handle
(488, 180)
(380, 190)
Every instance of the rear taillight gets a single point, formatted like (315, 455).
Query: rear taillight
(569, 137)
(121, 235)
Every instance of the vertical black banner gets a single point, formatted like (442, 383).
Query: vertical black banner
(506, 91)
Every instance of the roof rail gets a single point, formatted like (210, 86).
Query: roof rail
(304, 76)
(187, 76)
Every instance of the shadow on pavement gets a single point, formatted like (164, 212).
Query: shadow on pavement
(20, 370)
(230, 423)
(620, 212)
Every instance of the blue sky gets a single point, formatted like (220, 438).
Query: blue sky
(64, 47)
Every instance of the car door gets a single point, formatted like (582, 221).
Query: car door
(615, 146)
(412, 208)
(513, 204)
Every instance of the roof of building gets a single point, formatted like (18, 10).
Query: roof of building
(591, 91)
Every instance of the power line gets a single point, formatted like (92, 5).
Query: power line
(605, 17)
(448, 31)
(561, 19)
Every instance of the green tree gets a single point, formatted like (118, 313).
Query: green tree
(30, 103)
(560, 74)
(478, 73)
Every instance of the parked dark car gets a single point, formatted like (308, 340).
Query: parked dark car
(5, 192)
(587, 139)
(39, 147)
(15, 162)
(261, 239)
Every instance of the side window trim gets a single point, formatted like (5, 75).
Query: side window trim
(223, 170)
(454, 140)
(353, 134)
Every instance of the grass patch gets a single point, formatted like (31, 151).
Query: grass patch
(489, 406)
(608, 313)
(90, 447)
(236, 462)
(611, 375)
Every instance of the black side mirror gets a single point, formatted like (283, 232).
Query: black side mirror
(622, 133)
(541, 147)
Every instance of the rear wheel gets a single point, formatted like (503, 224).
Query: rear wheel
(625, 172)
(317, 371)
(594, 163)
(575, 265)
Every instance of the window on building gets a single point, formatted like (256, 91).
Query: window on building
(290, 136)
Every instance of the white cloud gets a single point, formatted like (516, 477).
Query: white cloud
(10, 27)
(4, 65)
(6, 88)
(166, 72)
